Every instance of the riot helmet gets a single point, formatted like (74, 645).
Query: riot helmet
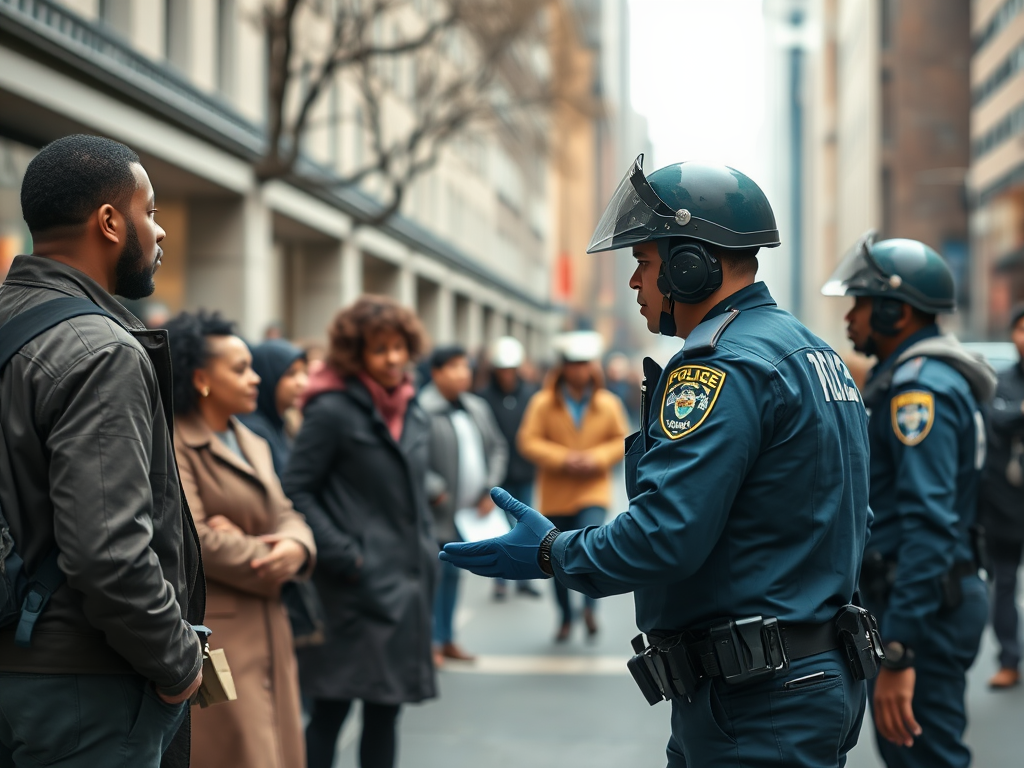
(682, 207)
(709, 203)
(907, 271)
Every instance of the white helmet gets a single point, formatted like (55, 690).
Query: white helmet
(506, 352)
(579, 346)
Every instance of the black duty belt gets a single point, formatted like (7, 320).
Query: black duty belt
(798, 641)
(742, 650)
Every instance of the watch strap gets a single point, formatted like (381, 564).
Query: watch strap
(544, 551)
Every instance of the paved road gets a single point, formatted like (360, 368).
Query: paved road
(528, 702)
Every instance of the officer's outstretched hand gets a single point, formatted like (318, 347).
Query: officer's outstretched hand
(512, 556)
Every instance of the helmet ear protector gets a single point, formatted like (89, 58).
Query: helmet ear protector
(885, 313)
(689, 273)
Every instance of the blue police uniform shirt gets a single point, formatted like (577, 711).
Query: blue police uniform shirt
(750, 494)
(927, 449)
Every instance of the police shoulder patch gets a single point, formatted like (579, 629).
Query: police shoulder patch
(690, 394)
(913, 414)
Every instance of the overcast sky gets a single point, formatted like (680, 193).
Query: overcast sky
(696, 75)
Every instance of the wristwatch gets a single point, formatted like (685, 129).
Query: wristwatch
(544, 551)
(898, 657)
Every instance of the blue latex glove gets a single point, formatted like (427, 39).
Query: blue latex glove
(512, 556)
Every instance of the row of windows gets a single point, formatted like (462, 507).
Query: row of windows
(1010, 126)
(1009, 67)
(999, 20)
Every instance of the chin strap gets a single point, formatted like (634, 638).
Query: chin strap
(667, 321)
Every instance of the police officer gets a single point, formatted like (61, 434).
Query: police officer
(748, 487)
(920, 575)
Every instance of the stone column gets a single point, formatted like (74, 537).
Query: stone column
(445, 315)
(351, 272)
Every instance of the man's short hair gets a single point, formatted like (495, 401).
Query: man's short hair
(443, 355)
(739, 261)
(72, 177)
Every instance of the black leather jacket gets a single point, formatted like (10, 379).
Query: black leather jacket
(87, 464)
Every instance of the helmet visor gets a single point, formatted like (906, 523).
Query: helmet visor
(634, 214)
(858, 274)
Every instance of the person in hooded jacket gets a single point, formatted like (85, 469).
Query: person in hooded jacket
(284, 373)
(358, 472)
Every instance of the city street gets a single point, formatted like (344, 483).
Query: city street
(530, 702)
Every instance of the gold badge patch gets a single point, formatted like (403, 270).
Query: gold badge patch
(690, 394)
(912, 416)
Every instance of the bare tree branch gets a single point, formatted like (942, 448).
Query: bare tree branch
(467, 73)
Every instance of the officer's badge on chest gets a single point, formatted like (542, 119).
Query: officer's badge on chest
(912, 416)
(690, 394)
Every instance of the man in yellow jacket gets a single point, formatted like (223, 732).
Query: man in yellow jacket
(573, 431)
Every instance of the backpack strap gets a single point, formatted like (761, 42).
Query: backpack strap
(15, 334)
(43, 583)
(25, 326)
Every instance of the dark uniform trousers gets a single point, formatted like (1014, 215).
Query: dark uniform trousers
(953, 639)
(767, 724)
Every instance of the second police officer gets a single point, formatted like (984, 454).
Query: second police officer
(920, 575)
(748, 486)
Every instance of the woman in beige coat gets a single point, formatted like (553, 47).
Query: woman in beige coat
(252, 542)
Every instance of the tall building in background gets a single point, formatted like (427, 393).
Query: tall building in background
(597, 143)
(997, 162)
(184, 83)
(883, 120)
(792, 33)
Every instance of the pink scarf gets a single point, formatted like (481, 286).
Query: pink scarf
(390, 405)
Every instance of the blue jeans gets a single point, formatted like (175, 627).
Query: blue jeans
(585, 517)
(444, 603)
(83, 721)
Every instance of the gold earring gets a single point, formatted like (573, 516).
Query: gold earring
(205, 392)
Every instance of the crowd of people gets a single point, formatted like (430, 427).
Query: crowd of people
(300, 508)
(322, 490)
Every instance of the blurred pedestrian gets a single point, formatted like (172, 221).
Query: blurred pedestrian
(283, 373)
(358, 472)
(1001, 508)
(573, 430)
(508, 393)
(470, 456)
(252, 540)
(88, 484)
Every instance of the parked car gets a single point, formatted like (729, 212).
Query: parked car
(1001, 355)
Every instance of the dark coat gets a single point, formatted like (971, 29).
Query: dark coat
(364, 497)
(271, 360)
(1002, 487)
(263, 728)
(508, 408)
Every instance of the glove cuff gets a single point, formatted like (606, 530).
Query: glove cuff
(544, 551)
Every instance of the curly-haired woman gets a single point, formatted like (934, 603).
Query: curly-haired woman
(358, 473)
(252, 542)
